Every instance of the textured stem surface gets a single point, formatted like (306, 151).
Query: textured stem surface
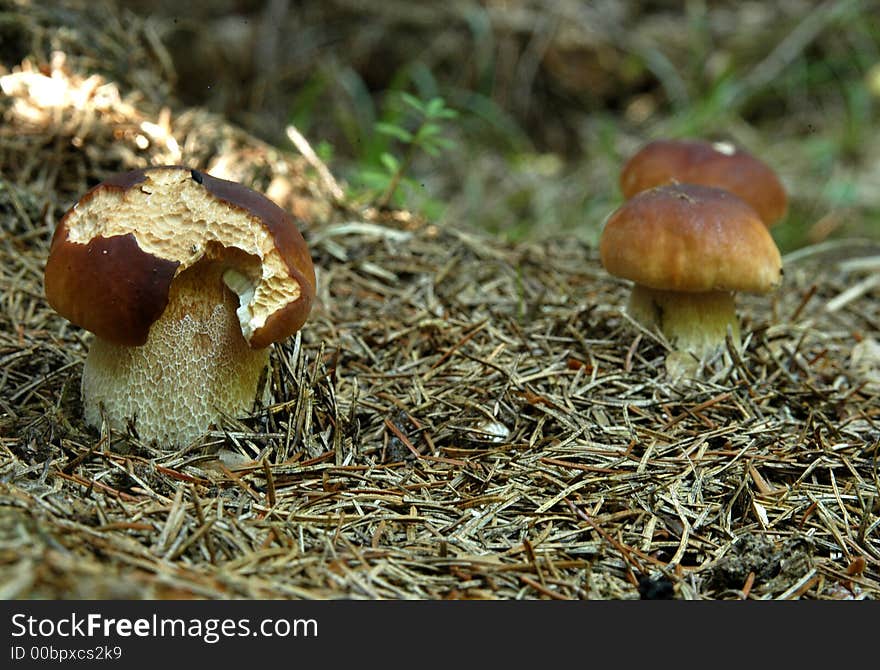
(194, 368)
(692, 322)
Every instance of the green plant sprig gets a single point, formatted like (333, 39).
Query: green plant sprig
(426, 137)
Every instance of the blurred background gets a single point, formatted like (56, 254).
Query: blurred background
(515, 116)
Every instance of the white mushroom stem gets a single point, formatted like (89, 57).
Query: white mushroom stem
(694, 322)
(195, 367)
(245, 289)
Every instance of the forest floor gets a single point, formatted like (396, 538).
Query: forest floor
(461, 417)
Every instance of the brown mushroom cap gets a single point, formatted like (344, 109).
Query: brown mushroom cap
(716, 164)
(116, 252)
(686, 237)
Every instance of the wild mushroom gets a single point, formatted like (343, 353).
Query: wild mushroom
(718, 164)
(688, 248)
(185, 280)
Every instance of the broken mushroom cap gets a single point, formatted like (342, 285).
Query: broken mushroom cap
(718, 164)
(688, 248)
(116, 251)
(185, 280)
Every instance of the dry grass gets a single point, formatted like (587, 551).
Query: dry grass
(460, 418)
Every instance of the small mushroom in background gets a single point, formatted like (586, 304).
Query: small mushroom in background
(718, 164)
(185, 280)
(688, 248)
